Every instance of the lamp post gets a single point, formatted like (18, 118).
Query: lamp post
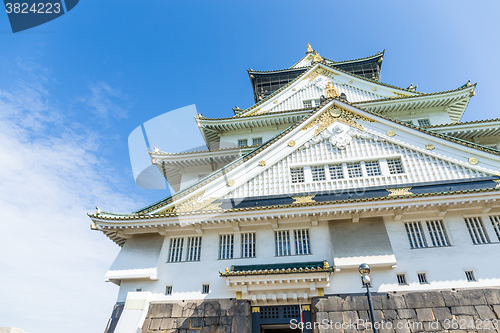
(364, 270)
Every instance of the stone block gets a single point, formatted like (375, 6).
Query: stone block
(471, 297)
(389, 315)
(212, 309)
(320, 316)
(239, 308)
(224, 320)
(194, 309)
(331, 303)
(241, 324)
(424, 299)
(463, 310)
(145, 326)
(210, 321)
(466, 322)
(496, 309)
(442, 313)
(155, 324)
(355, 303)
(167, 323)
(177, 310)
(388, 302)
(425, 314)
(363, 315)
(451, 298)
(197, 322)
(401, 326)
(193, 331)
(432, 326)
(415, 325)
(350, 317)
(208, 329)
(406, 313)
(484, 312)
(160, 310)
(223, 329)
(182, 322)
(334, 317)
(492, 296)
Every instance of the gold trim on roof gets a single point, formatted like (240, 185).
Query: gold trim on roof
(317, 58)
(400, 94)
(320, 71)
(309, 48)
(255, 309)
(333, 114)
(193, 204)
(331, 91)
(429, 146)
(473, 160)
(304, 199)
(399, 191)
(498, 182)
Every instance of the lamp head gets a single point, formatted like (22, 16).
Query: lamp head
(364, 269)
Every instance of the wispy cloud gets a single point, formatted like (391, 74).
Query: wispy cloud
(104, 101)
(52, 265)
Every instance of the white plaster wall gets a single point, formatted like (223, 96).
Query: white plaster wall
(265, 132)
(444, 266)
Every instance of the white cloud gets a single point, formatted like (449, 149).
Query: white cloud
(102, 101)
(52, 265)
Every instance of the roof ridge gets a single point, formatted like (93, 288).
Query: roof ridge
(464, 123)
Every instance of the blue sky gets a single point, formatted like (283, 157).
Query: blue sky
(73, 89)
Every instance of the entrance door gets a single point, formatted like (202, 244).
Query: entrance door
(277, 329)
(279, 318)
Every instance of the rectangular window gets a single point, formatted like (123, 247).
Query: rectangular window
(402, 279)
(194, 248)
(226, 245)
(242, 143)
(168, 290)
(318, 173)
(354, 170)
(282, 242)
(395, 166)
(256, 141)
(308, 104)
(248, 245)
(297, 175)
(176, 245)
(415, 235)
(424, 122)
(437, 233)
(373, 168)
(495, 222)
(470, 276)
(336, 171)
(205, 289)
(302, 241)
(422, 278)
(476, 230)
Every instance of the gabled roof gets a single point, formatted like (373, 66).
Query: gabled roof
(216, 182)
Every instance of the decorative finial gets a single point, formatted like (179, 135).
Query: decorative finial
(330, 91)
(226, 270)
(412, 88)
(156, 149)
(317, 58)
(98, 211)
(469, 84)
(326, 265)
(309, 48)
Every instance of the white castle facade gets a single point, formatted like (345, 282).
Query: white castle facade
(329, 169)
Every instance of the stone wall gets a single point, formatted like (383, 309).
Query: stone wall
(435, 310)
(213, 316)
(115, 316)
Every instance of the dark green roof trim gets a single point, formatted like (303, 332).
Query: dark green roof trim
(465, 123)
(284, 268)
(310, 264)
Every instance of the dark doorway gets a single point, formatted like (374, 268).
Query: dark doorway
(277, 329)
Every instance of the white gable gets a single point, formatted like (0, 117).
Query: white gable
(336, 148)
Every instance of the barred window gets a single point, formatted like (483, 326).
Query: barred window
(248, 245)
(282, 242)
(495, 222)
(176, 245)
(336, 171)
(437, 233)
(205, 288)
(422, 278)
(297, 175)
(401, 279)
(226, 246)
(424, 122)
(470, 276)
(395, 166)
(242, 143)
(354, 170)
(256, 141)
(302, 241)
(307, 104)
(373, 168)
(194, 248)
(168, 290)
(476, 230)
(415, 235)
(318, 173)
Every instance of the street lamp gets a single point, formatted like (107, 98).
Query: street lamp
(364, 270)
